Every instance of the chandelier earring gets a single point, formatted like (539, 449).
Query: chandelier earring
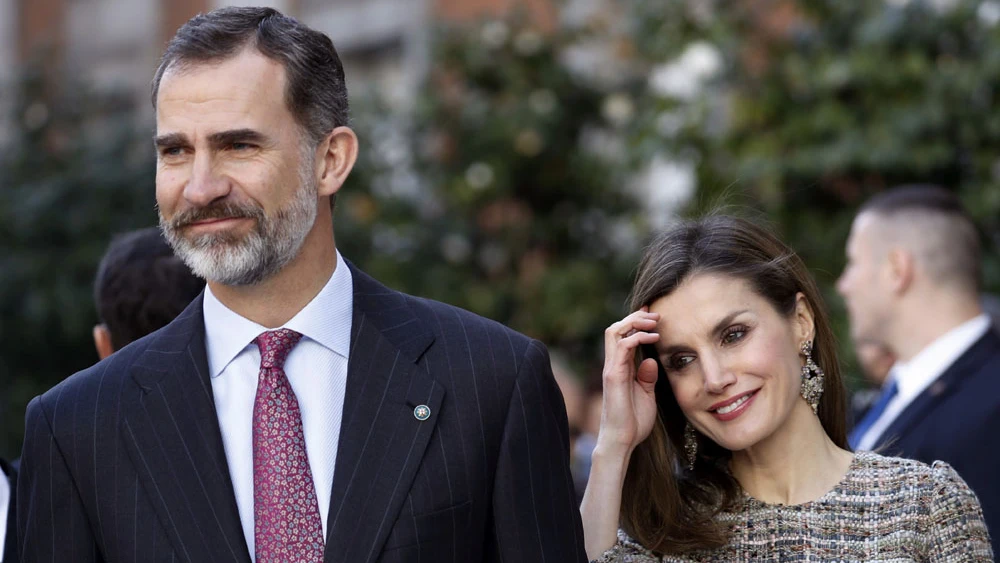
(690, 445)
(812, 378)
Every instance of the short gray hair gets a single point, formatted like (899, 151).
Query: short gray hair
(316, 92)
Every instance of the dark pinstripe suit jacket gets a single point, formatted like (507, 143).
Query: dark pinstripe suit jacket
(124, 461)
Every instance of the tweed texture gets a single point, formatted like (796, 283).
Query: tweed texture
(885, 509)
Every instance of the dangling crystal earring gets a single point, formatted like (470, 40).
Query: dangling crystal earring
(812, 378)
(690, 445)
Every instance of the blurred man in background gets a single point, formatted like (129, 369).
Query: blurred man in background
(912, 282)
(8, 489)
(140, 287)
(875, 360)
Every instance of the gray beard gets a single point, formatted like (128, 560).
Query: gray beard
(257, 256)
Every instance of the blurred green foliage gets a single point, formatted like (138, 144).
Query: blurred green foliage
(533, 165)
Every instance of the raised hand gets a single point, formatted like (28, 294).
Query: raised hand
(629, 408)
(627, 417)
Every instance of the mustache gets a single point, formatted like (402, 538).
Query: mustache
(216, 211)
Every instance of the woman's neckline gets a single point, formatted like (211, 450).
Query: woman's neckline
(852, 468)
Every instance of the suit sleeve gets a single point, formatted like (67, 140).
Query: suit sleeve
(535, 514)
(52, 525)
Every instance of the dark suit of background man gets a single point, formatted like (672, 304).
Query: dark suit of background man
(912, 282)
(375, 426)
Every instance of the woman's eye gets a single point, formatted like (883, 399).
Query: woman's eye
(679, 362)
(734, 334)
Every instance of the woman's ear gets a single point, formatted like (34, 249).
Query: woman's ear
(803, 321)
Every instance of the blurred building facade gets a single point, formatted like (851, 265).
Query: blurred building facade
(113, 45)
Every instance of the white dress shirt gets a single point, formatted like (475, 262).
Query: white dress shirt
(316, 369)
(913, 377)
(5, 493)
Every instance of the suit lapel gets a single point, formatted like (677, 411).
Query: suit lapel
(172, 435)
(382, 441)
(967, 364)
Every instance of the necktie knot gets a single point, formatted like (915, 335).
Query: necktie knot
(275, 345)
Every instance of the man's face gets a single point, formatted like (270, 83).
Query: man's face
(863, 284)
(235, 182)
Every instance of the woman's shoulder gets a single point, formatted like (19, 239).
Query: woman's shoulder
(627, 550)
(934, 483)
(907, 472)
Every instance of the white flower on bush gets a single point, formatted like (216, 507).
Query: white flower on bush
(670, 123)
(665, 186)
(604, 144)
(989, 13)
(455, 248)
(528, 43)
(542, 101)
(685, 77)
(479, 175)
(618, 109)
(494, 34)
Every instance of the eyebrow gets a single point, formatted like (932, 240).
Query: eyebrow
(719, 326)
(170, 140)
(216, 140)
(226, 138)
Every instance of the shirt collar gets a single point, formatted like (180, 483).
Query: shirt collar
(326, 319)
(924, 368)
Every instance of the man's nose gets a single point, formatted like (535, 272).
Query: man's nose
(206, 184)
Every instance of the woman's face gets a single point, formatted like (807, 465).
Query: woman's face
(732, 360)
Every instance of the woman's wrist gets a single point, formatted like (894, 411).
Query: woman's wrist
(611, 458)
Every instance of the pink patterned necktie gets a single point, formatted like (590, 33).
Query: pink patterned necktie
(287, 525)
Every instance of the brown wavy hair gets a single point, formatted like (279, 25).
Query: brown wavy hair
(666, 507)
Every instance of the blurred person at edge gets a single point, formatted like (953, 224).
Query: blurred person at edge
(727, 442)
(574, 398)
(912, 282)
(141, 285)
(8, 512)
(875, 361)
(298, 411)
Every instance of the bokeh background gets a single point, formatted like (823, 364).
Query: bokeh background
(516, 154)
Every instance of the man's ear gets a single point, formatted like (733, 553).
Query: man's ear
(335, 159)
(804, 320)
(102, 341)
(900, 269)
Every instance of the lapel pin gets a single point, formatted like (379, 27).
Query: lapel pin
(422, 412)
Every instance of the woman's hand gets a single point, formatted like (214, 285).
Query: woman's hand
(627, 417)
(629, 407)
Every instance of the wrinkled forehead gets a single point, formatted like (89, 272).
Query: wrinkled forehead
(243, 91)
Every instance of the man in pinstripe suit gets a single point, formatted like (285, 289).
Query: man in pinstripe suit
(298, 410)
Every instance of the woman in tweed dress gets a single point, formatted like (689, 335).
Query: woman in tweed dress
(727, 442)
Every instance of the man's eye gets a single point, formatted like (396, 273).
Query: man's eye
(241, 146)
(171, 151)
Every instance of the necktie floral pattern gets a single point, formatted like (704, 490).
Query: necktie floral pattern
(287, 525)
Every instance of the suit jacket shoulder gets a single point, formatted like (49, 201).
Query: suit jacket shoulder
(86, 393)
